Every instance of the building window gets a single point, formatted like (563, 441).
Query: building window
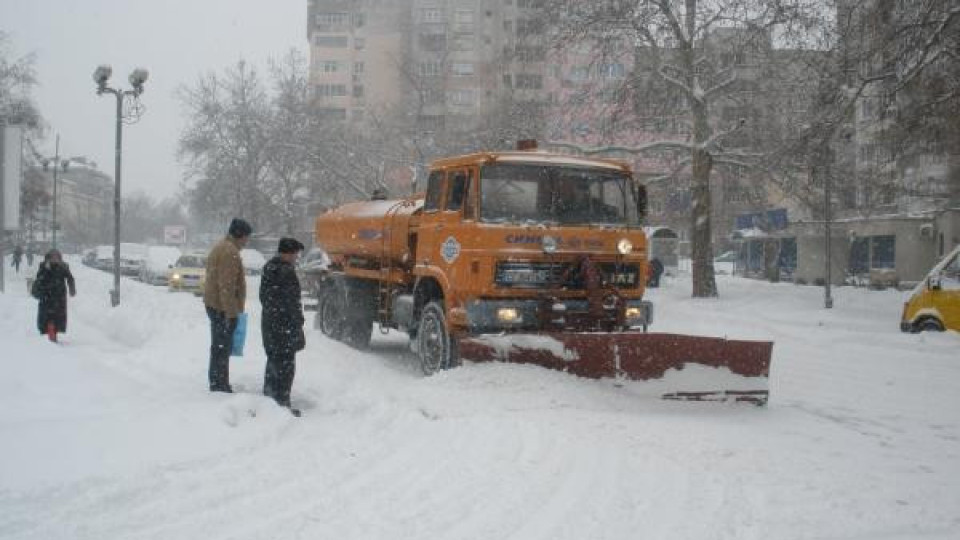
(359, 19)
(331, 42)
(357, 68)
(430, 69)
(331, 19)
(527, 27)
(359, 43)
(462, 69)
(432, 123)
(432, 96)
(530, 53)
(464, 42)
(463, 19)
(358, 90)
(331, 90)
(431, 15)
(433, 42)
(530, 81)
(464, 97)
(612, 71)
(331, 66)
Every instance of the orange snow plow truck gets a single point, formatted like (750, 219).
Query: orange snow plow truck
(526, 257)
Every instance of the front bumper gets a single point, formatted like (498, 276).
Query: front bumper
(555, 314)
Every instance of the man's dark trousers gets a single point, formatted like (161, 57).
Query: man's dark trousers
(278, 379)
(221, 343)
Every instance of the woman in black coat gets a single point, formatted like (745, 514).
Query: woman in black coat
(50, 288)
(282, 321)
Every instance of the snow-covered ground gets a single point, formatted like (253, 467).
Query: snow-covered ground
(113, 435)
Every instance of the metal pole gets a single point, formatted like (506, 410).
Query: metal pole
(827, 298)
(56, 165)
(115, 294)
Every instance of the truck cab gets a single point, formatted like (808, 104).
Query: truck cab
(503, 233)
(934, 304)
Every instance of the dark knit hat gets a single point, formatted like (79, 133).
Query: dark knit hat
(289, 245)
(239, 228)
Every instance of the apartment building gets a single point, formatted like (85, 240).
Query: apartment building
(445, 65)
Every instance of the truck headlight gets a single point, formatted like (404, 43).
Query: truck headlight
(624, 246)
(508, 315)
(633, 313)
(175, 277)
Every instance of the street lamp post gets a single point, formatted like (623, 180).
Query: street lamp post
(57, 164)
(100, 76)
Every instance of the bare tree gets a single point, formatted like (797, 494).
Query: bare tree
(225, 143)
(676, 47)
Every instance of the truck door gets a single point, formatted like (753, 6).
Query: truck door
(430, 223)
(456, 223)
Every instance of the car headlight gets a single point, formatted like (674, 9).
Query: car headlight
(175, 277)
(633, 313)
(549, 244)
(508, 315)
(624, 246)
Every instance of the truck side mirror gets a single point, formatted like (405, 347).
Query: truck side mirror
(933, 282)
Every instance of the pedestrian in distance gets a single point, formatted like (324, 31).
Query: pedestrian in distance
(17, 257)
(224, 296)
(50, 288)
(656, 270)
(29, 255)
(282, 321)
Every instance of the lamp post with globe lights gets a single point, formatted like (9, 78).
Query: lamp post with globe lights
(137, 78)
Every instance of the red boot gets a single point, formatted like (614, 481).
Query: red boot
(52, 332)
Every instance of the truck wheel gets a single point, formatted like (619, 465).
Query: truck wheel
(436, 348)
(359, 332)
(929, 325)
(330, 313)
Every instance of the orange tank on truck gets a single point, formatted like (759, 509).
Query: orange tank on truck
(524, 256)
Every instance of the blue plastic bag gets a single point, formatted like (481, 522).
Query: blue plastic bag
(239, 335)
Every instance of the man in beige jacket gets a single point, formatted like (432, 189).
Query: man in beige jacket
(224, 295)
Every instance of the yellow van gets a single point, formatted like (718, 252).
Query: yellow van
(935, 303)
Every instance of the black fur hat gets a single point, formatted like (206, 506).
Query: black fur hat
(289, 245)
(239, 228)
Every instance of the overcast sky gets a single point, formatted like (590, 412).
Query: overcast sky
(176, 40)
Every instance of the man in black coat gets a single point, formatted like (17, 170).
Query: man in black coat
(282, 321)
(50, 288)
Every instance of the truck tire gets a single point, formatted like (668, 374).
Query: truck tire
(436, 348)
(358, 333)
(330, 312)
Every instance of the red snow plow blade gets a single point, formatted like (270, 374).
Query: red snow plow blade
(677, 366)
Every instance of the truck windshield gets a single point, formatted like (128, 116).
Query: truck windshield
(556, 195)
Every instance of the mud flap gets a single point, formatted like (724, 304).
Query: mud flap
(677, 366)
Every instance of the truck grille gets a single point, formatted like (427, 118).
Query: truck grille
(542, 275)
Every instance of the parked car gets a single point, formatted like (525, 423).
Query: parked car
(188, 273)
(131, 257)
(155, 267)
(253, 261)
(103, 258)
(725, 263)
(312, 270)
(934, 304)
(89, 257)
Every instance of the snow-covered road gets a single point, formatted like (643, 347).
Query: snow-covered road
(112, 435)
